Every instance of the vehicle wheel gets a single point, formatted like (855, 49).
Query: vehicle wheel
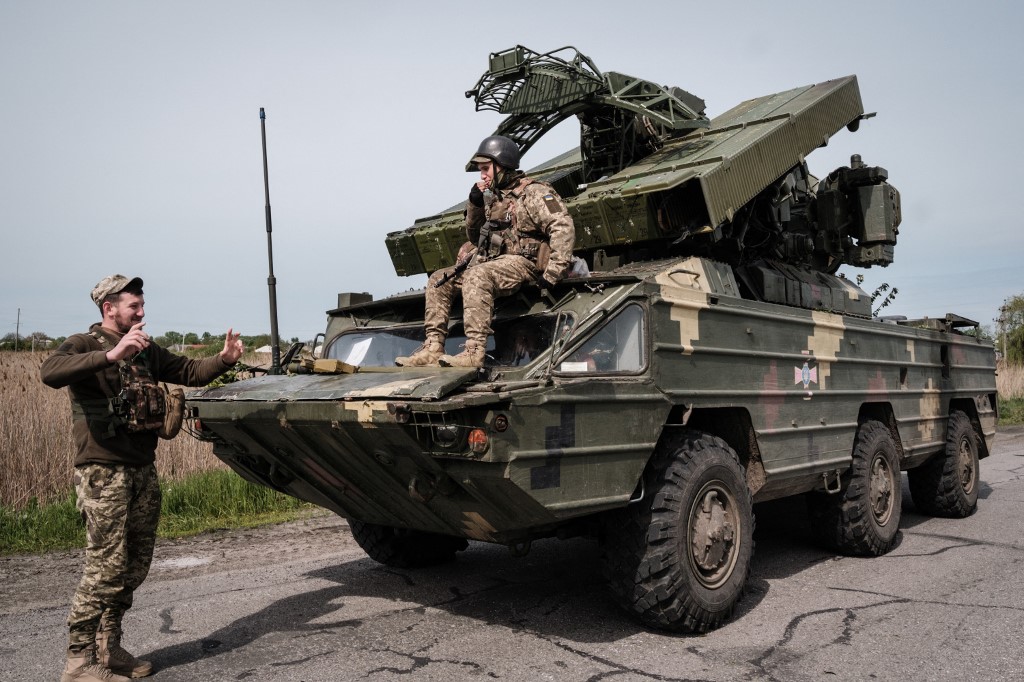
(947, 484)
(863, 519)
(405, 548)
(678, 559)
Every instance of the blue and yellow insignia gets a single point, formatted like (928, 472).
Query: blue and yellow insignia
(553, 205)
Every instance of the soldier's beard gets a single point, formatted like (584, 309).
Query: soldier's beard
(125, 323)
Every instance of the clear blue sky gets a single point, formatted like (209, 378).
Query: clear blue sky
(130, 141)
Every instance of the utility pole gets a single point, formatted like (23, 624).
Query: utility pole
(1002, 328)
(17, 330)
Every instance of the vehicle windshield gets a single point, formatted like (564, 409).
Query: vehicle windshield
(618, 346)
(515, 343)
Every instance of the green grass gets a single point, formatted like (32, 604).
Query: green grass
(215, 499)
(1011, 411)
(35, 528)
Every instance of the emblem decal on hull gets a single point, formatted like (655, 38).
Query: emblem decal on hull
(805, 375)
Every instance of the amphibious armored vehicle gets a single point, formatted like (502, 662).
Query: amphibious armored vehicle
(712, 358)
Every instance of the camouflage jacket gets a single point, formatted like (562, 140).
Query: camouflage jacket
(80, 364)
(537, 215)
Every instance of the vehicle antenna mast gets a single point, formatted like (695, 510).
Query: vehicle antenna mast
(275, 349)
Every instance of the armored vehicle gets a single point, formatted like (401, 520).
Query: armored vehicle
(710, 359)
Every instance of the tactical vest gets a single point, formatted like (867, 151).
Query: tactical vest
(141, 405)
(527, 241)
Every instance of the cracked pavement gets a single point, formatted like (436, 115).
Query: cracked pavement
(301, 602)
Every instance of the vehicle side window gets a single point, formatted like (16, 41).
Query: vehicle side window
(376, 348)
(616, 347)
(515, 343)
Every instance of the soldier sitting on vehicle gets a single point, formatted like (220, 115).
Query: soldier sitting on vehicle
(523, 233)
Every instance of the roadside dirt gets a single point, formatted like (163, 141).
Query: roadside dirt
(33, 581)
(29, 581)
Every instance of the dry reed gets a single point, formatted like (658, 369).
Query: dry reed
(1010, 381)
(36, 448)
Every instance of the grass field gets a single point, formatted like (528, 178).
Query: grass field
(36, 449)
(203, 501)
(37, 502)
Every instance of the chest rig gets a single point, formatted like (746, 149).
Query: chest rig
(141, 404)
(505, 233)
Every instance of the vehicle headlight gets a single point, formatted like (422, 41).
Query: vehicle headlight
(446, 436)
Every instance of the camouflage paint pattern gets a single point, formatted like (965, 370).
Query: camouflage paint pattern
(785, 386)
(807, 377)
(121, 508)
(717, 170)
(784, 368)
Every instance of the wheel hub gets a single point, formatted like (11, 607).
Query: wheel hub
(712, 536)
(965, 464)
(881, 490)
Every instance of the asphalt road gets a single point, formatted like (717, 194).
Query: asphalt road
(301, 602)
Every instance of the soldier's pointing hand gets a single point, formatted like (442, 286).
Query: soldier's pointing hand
(134, 341)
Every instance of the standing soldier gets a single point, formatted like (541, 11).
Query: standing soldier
(523, 233)
(117, 407)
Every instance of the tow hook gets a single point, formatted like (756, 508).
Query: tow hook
(838, 483)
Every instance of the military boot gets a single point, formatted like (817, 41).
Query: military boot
(425, 355)
(111, 655)
(82, 667)
(472, 356)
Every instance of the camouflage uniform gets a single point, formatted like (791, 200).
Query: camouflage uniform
(121, 508)
(538, 221)
(116, 485)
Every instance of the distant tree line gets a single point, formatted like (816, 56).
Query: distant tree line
(196, 345)
(33, 341)
(1010, 333)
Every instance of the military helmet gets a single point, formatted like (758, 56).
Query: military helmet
(499, 149)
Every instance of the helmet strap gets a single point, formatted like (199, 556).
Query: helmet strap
(503, 179)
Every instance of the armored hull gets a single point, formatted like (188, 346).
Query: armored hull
(711, 358)
(791, 385)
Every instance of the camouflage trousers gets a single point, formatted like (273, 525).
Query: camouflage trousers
(121, 508)
(480, 283)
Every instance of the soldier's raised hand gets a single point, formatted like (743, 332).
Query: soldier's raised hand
(233, 347)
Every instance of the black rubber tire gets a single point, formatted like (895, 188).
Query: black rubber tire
(405, 548)
(695, 489)
(863, 519)
(947, 484)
